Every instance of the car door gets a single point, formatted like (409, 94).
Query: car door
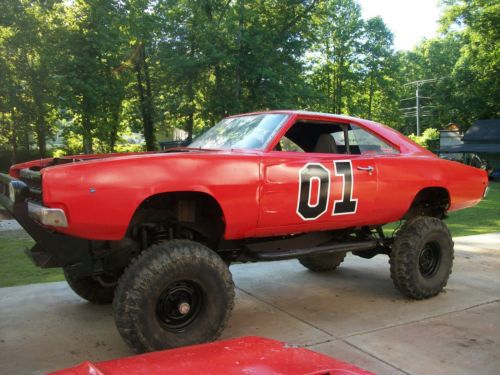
(307, 191)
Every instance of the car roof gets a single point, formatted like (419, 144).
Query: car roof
(300, 112)
(393, 136)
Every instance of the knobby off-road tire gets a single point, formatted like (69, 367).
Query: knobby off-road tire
(175, 293)
(322, 263)
(421, 258)
(90, 289)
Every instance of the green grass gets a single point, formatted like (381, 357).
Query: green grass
(17, 269)
(483, 218)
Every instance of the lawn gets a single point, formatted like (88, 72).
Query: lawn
(17, 269)
(483, 218)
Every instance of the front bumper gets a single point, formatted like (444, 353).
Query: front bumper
(52, 249)
(54, 217)
(14, 191)
(9, 186)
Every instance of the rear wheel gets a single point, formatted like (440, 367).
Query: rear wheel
(176, 293)
(322, 263)
(89, 288)
(421, 257)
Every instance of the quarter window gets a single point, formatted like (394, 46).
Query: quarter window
(363, 143)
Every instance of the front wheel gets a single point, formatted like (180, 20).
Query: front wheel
(176, 293)
(421, 257)
(89, 288)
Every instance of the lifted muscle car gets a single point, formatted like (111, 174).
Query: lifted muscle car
(155, 233)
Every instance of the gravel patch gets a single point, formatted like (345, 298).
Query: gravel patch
(7, 225)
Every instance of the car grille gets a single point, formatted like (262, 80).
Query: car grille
(4, 187)
(33, 179)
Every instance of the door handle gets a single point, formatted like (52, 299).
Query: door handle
(368, 169)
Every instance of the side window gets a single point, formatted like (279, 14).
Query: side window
(330, 138)
(289, 145)
(365, 143)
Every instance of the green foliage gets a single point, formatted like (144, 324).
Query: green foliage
(90, 72)
(429, 138)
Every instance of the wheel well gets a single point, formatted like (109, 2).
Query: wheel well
(192, 215)
(431, 201)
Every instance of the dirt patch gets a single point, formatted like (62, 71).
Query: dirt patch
(4, 215)
(15, 235)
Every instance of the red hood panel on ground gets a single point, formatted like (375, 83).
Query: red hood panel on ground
(247, 355)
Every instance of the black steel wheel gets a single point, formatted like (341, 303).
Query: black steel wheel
(175, 293)
(421, 257)
(180, 304)
(429, 259)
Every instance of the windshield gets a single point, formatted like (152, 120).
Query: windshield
(248, 132)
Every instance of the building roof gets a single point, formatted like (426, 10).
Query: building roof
(451, 127)
(489, 148)
(484, 131)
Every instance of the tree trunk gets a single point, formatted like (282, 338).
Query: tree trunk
(220, 105)
(41, 135)
(190, 122)
(40, 127)
(328, 75)
(340, 83)
(370, 97)
(240, 54)
(114, 129)
(87, 135)
(87, 126)
(150, 143)
(190, 125)
(145, 99)
(13, 140)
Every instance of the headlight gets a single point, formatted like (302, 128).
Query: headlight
(12, 193)
(18, 191)
(486, 191)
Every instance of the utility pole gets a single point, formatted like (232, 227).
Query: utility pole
(418, 108)
(409, 110)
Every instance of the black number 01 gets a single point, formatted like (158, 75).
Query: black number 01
(318, 172)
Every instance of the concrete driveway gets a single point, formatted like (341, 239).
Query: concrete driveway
(353, 314)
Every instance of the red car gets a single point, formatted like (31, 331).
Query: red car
(156, 232)
(247, 355)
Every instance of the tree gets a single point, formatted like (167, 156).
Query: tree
(477, 67)
(90, 48)
(339, 29)
(27, 54)
(378, 60)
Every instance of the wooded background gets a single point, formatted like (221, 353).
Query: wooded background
(92, 72)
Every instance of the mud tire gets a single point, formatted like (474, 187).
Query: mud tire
(90, 289)
(322, 263)
(147, 304)
(421, 258)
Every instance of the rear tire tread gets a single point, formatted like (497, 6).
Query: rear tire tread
(323, 263)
